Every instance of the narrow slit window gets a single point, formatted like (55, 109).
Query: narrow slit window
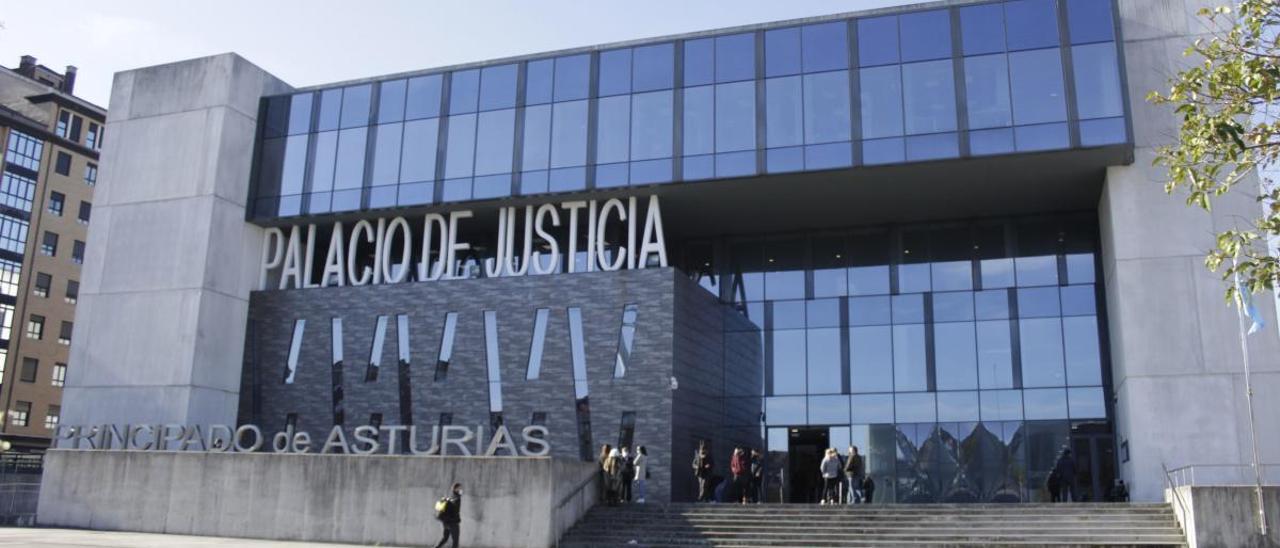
(402, 338)
(537, 342)
(295, 347)
(446, 346)
(375, 349)
(627, 429)
(335, 334)
(492, 360)
(578, 353)
(626, 338)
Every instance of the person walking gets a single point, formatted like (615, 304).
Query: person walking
(1066, 469)
(854, 469)
(628, 473)
(757, 475)
(703, 466)
(613, 477)
(740, 467)
(450, 516)
(830, 477)
(868, 490)
(641, 465)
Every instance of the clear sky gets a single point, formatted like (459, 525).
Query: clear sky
(319, 41)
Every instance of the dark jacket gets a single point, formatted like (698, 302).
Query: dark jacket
(853, 466)
(1066, 468)
(703, 465)
(453, 511)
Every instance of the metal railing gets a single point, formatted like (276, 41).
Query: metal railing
(1233, 475)
(18, 503)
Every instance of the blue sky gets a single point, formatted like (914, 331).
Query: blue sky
(315, 42)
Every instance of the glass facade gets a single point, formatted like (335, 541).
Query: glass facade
(959, 357)
(982, 79)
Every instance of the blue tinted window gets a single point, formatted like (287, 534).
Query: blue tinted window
(783, 112)
(1031, 24)
(386, 155)
(613, 129)
(1041, 137)
(355, 105)
(986, 80)
(826, 107)
(538, 81)
(925, 35)
(651, 125)
(418, 161)
(932, 146)
(569, 134)
(330, 109)
(995, 354)
(982, 29)
(1084, 362)
(991, 141)
(699, 62)
(326, 153)
(1089, 21)
(826, 46)
(391, 101)
(953, 307)
(908, 308)
(824, 364)
(735, 116)
(572, 77)
(424, 97)
(909, 364)
(955, 352)
(1087, 403)
(871, 359)
(735, 57)
(1036, 80)
(300, 113)
(615, 72)
(1045, 404)
(498, 87)
(349, 170)
(495, 137)
(869, 311)
(1105, 131)
(788, 361)
(460, 151)
(464, 91)
(699, 120)
(1097, 80)
(1038, 302)
(929, 99)
(537, 137)
(1041, 341)
(877, 41)
(782, 52)
(653, 67)
(881, 102)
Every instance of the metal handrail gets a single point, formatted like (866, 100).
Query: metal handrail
(1186, 475)
(577, 489)
(1168, 482)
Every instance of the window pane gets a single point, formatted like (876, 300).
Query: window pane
(615, 72)
(386, 156)
(652, 125)
(330, 109)
(699, 62)
(786, 411)
(982, 29)
(909, 369)
(349, 172)
(464, 91)
(569, 134)
(823, 313)
(1045, 404)
(825, 366)
(699, 121)
(782, 52)
(783, 111)
(987, 91)
(1087, 403)
(881, 102)
(300, 113)
(953, 307)
(1097, 80)
(929, 97)
(418, 162)
(537, 137)
(918, 407)
(498, 87)
(1079, 300)
(877, 41)
(869, 311)
(538, 81)
(871, 359)
(830, 410)
(826, 46)
(460, 154)
(1031, 23)
(1001, 405)
(1080, 268)
(572, 77)
(995, 354)
(788, 361)
(424, 97)
(735, 116)
(295, 165)
(326, 154)
(1038, 302)
(952, 275)
(1089, 21)
(908, 309)
(537, 342)
(1033, 271)
(1084, 361)
(653, 67)
(992, 305)
(391, 101)
(613, 129)
(955, 356)
(494, 142)
(735, 57)
(826, 107)
(1036, 78)
(355, 105)
(925, 35)
(1041, 343)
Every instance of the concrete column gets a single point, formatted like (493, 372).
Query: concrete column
(1175, 347)
(160, 324)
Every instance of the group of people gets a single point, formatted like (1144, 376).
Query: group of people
(623, 474)
(859, 487)
(746, 469)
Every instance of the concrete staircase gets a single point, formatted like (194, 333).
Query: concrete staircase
(729, 525)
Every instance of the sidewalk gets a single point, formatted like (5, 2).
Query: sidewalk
(76, 538)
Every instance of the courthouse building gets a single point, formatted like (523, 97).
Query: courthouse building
(932, 231)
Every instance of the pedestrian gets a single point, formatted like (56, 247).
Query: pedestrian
(1119, 492)
(1066, 469)
(604, 476)
(628, 473)
(830, 477)
(740, 467)
(854, 469)
(641, 466)
(703, 466)
(613, 477)
(1054, 484)
(449, 512)
(757, 475)
(868, 489)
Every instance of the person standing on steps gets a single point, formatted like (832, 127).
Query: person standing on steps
(703, 466)
(830, 477)
(757, 476)
(628, 473)
(1066, 469)
(740, 466)
(853, 471)
(868, 489)
(613, 477)
(450, 516)
(641, 466)
(604, 476)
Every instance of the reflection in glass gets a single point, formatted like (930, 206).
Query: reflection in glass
(929, 97)
(995, 354)
(1084, 356)
(909, 358)
(735, 57)
(460, 154)
(1087, 403)
(829, 410)
(375, 349)
(653, 67)
(881, 96)
(464, 91)
(783, 111)
(982, 28)
(355, 105)
(826, 46)
(613, 129)
(699, 120)
(1001, 405)
(826, 107)
(569, 134)
(418, 162)
(1031, 23)
(626, 338)
(958, 406)
(495, 135)
(915, 407)
(1040, 340)
(955, 356)
(735, 116)
(386, 155)
(1045, 403)
(1036, 78)
(871, 408)
(824, 363)
(446, 346)
(498, 87)
(788, 361)
(986, 80)
(572, 80)
(1097, 79)
(423, 97)
(871, 359)
(925, 35)
(789, 410)
(877, 41)
(295, 348)
(651, 125)
(537, 342)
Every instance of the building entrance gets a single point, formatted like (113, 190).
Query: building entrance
(804, 460)
(1095, 462)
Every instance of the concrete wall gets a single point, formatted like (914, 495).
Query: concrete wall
(1175, 350)
(170, 261)
(1213, 516)
(507, 502)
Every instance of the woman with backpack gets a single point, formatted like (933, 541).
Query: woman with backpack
(449, 512)
(641, 464)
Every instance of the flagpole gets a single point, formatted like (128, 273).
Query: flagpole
(1248, 393)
